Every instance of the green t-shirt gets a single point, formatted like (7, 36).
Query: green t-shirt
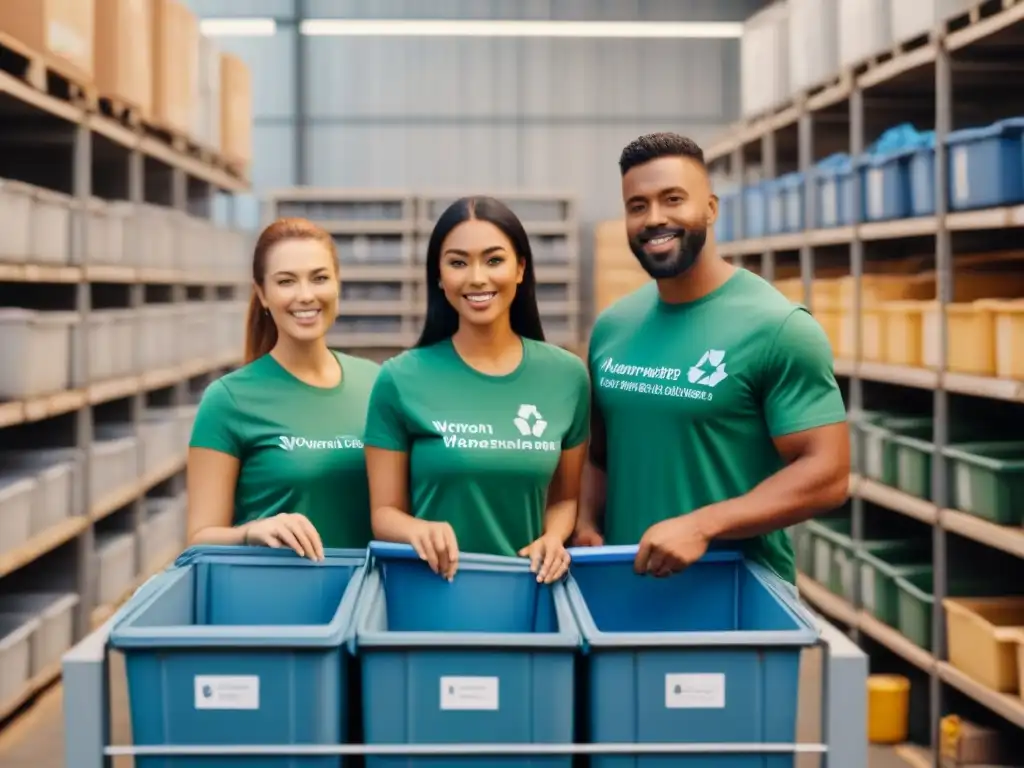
(482, 449)
(691, 396)
(300, 446)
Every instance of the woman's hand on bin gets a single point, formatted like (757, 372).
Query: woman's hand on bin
(435, 542)
(548, 558)
(286, 530)
(670, 546)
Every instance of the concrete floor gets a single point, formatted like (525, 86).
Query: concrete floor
(37, 739)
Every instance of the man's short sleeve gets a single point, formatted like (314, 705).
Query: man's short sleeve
(215, 426)
(800, 388)
(385, 421)
(579, 428)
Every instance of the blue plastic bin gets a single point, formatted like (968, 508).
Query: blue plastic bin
(486, 659)
(886, 183)
(710, 655)
(241, 645)
(833, 187)
(986, 166)
(922, 182)
(725, 226)
(792, 189)
(755, 211)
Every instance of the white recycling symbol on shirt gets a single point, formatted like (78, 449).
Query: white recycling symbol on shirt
(529, 421)
(699, 373)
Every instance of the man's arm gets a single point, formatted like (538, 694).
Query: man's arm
(815, 479)
(805, 413)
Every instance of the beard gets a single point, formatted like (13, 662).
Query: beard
(687, 248)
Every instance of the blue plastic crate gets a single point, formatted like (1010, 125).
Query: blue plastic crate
(725, 225)
(922, 182)
(241, 645)
(886, 183)
(986, 166)
(710, 655)
(488, 658)
(792, 189)
(775, 223)
(833, 188)
(755, 211)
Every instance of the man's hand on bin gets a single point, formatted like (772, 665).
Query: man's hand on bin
(286, 530)
(670, 546)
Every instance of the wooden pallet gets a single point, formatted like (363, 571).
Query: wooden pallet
(45, 73)
(126, 114)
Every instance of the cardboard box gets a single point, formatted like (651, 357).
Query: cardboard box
(236, 111)
(175, 38)
(207, 121)
(60, 30)
(124, 53)
(616, 270)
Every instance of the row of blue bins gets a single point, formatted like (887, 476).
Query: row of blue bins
(985, 169)
(236, 646)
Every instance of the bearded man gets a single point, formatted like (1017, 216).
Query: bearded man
(716, 413)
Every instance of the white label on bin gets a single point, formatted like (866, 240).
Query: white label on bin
(829, 209)
(227, 692)
(964, 502)
(695, 691)
(876, 192)
(469, 693)
(961, 184)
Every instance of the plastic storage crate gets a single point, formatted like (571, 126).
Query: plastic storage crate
(16, 633)
(755, 211)
(880, 463)
(784, 197)
(987, 480)
(986, 165)
(241, 645)
(488, 658)
(914, 464)
(921, 166)
(711, 654)
(879, 567)
(36, 352)
(917, 600)
(834, 188)
(725, 226)
(54, 612)
(887, 185)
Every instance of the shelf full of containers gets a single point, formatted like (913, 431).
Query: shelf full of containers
(382, 236)
(878, 177)
(117, 304)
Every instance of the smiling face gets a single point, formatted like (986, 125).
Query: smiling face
(300, 289)
(480, 272)
(669, 209)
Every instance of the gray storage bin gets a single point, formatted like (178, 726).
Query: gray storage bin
(158, 436)
(51, 228)
(912, 19)
(185, 417)
(815, 60)
(153, 237)
(17, 494)
(97, 234)
(124, 333)
(865, 30)
(15, 657)
(35, 352)
(114, 461)
(15, 221)
(764, 60)
(101, 342)
(162, 532)
(157, 337)
(55, 633)
(115, 565)
(58, 483)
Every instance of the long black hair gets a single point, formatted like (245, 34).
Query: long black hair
(442, 320)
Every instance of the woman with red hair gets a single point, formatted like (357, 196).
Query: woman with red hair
(276, 454)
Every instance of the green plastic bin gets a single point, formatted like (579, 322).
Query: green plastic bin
(832, 543)
(916, 602)
(879, 448)
(987, 480)
(819, 533)
(803, 547)
(878, 568)
(857, 419)
(913, 465)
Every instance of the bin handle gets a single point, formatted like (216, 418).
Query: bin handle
(626, 553)
(390, 550)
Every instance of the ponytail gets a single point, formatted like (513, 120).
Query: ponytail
(260, 331)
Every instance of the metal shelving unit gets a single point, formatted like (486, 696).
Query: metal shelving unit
(963, 74)
(382, 238)
(112, 230)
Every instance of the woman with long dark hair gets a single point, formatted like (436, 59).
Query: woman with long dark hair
(276, 454)
(475, 439)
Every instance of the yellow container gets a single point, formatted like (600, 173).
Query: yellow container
(971, 333)
(1009, 332)
(902, 335)
(888, 709)
(830, 315)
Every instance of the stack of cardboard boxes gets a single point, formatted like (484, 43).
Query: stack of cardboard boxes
(616, 270)
(147, 56)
